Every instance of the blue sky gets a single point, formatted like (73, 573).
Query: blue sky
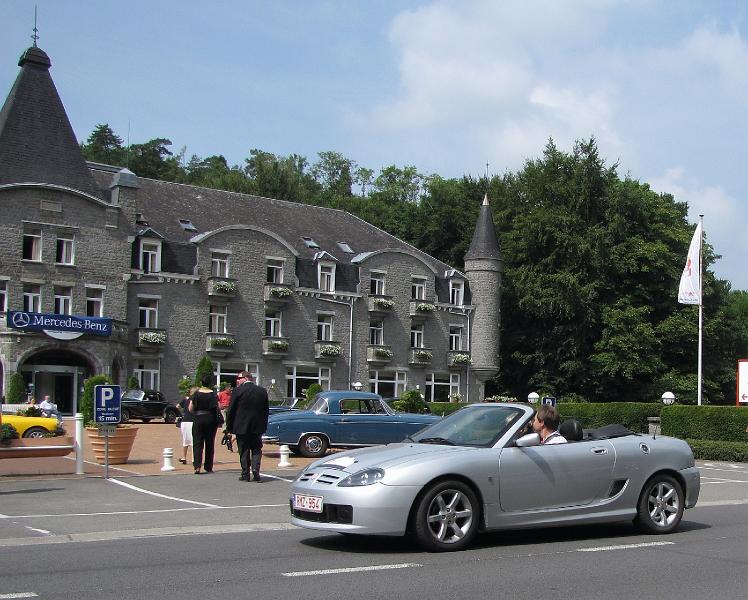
(445, 85)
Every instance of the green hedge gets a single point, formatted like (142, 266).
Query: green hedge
(719, 450)
(631, 414)
(726, 423)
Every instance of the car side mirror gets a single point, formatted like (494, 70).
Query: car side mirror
(529, 440)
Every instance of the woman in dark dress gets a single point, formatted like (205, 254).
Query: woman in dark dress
(204, 407)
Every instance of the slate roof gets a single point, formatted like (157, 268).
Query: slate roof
(37, 143)
(164, 203)
(484, 243)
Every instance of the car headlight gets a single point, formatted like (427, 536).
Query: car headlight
(367, 477)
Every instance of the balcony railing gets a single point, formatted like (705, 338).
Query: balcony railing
(274, 347)
(327, 350)
(420, 357)
(458, 359)
(219, 344)
(151, 340)
(277, 294)
(380, 305)
(379, 354)
(221, 287)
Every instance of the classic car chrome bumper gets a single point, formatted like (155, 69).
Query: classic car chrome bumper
(270, 439)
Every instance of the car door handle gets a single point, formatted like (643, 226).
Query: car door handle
(599, 451)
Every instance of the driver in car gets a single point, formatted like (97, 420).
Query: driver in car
(545, 424)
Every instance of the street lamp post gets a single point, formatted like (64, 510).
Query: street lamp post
(358, 386)
(668, 398)
(533, 397)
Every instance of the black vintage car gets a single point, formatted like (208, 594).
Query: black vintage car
(147, 405)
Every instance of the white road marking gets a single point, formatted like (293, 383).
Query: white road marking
(624, 546)
(44, 531)
(351, 570)
(143, 512)
(20, 595)
(141, 490)
(710, 468)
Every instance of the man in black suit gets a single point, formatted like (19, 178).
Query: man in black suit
(247, 419)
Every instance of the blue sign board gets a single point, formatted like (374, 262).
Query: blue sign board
(31, 321)
(549, 400)
(107, 403)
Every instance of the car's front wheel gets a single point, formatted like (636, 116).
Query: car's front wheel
(170, 416)
(35, 432)
(446, 517)
(313, 445)
(660, 505)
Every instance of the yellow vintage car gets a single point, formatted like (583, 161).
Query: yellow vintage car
(34, 427)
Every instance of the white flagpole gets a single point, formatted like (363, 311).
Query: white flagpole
(701, 304)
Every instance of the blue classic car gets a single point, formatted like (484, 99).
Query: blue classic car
(342, 420)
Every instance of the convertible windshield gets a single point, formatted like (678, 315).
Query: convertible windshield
(473, 426)
(133, 395)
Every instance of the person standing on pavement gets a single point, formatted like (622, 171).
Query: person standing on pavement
(185, 424)
(204, 407)
(224, 399)
(247, 419)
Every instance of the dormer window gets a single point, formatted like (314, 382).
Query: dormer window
(187, 225)
(150, 256)
(456, 291)
(310, 243)
(326, 274)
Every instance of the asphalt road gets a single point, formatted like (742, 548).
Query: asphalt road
(213, 537)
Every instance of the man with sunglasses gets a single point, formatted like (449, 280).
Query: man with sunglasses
(247, 419)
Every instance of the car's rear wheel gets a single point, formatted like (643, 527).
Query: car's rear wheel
(170, 416)
(146, 420)
(294, 450)
(35, 432)
(446, 517)
(124, 415)
(313, 445)
(661, 505)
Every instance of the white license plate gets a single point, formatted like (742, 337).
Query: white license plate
(308, 503)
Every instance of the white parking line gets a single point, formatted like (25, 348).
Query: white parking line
(705, 468)
(351, 570)
(141, 490)
(624, 546)
(20, 595)
(143, 512)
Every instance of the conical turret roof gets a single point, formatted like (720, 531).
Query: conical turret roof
(484, 244)
(37, 143)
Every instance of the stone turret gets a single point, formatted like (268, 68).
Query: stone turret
(483, 267)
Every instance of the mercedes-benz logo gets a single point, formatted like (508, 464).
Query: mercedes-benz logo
(21, 319)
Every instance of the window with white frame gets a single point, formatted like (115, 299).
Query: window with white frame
(148, 313)
(63, 300)
(219, 264)
(65, 250)
(418, 288)
(376, 287)
(32, 297)
(455, 337)
(298, 379)
(226, 372)
(148, 374)
(32, 245)
(376, 333)
(94, 302)
(388, 384)
(326, 277)
(275, 270)
(416, 335)
(273, 323)
(440, 387)
(3, 295)
(324, 327)
(217, 320)
(456, 291)
(150, 256)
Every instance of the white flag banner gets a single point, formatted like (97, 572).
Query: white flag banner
(689, 291)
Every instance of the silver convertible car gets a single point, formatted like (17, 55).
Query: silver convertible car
(478, 470)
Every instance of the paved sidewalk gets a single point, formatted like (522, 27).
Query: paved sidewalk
(146, 458)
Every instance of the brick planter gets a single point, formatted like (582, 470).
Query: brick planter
(38, 447)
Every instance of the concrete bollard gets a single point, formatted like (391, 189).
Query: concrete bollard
(168, 460)
(79, 469)
(284, 453)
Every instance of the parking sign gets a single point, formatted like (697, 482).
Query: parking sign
(107, 404)
(549, 400)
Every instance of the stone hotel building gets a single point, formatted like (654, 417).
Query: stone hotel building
(105, 272)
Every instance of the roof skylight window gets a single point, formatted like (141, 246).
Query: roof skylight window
(310, 243)
(187, 225)
(345, 247)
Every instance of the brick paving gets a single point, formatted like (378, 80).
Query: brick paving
(146, 458)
